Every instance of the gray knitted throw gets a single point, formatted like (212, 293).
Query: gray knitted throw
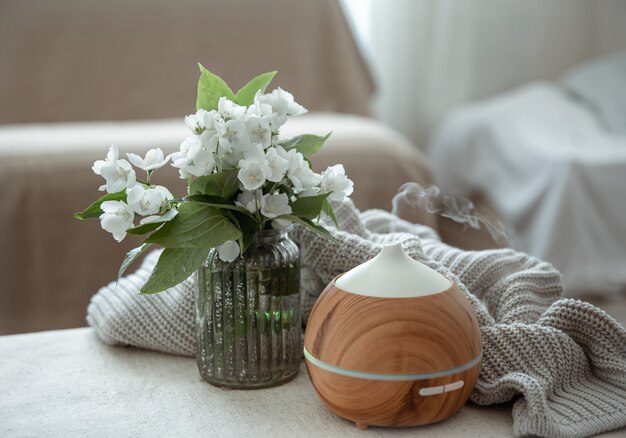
(565, 358)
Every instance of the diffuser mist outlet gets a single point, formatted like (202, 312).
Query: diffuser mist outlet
(393, 343)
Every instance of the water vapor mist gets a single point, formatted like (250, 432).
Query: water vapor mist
(457, 208)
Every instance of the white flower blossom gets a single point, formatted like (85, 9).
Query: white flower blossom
(278, 165)
(229, 110)
(275, 205)
(299, 173)
(260, 109)
(293, 157)
(295, 161)
(148, 201)
(304, 179)
(259, 131)
(251, 201)
(256, 154)
(203, 163)
(189, 147)
(282, 103)
(334, 180)
(192, 159)
(228, 251)
(197, 122)
(155, 159)
(254, 168)
(251, 174)
(211, 119)
(119, 174)
(209, 140)
(280, 224)
(117, 218)
(234, 137)
(167, 216)
(313, 191)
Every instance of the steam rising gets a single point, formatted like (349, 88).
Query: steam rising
(457, 208)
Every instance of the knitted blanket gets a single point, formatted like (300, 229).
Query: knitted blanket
(564, 360)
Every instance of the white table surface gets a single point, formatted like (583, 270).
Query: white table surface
(67, 383)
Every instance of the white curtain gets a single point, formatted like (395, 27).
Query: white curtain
(430, 55)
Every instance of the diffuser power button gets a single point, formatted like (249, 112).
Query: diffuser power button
(431, 390)
(454, 386)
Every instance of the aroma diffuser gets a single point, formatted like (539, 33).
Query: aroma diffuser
(393, 343)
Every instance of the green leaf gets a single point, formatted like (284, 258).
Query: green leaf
(309, 224)
(145, 228)
(223, 184)
(210, 88)
(245, 95)
(328, 209)
(94, 209)
(174, 266)
(306, 144)
(195, 226)
(248, 227)
(216, 202)
(309, 207)
(130, 257)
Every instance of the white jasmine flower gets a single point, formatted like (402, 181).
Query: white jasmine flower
(259, 131)
(278, 165)
(168, 216)
(280, 224)
(260, 109)
(229, 110)
(209, 139)
(293, 157)
(251, 201)
(193, 160)
(189, 147)
(228, 251)
(119, 174)
(313, 191)
(154, 159)
(303, 178)
(147, 201)
(210, 119)
(275, 205)
(234, 137)
(282, 103)
(334, 180)
(251, 174)
(232, 158)
(256, 154)
(117, 218)
(299, 173)
(197, 122)
(203, 163)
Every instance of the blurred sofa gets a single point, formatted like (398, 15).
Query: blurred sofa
(103, 66)
(551, 159)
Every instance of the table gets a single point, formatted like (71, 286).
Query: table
(68, 383)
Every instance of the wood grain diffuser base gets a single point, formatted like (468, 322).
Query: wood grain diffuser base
(393, 343)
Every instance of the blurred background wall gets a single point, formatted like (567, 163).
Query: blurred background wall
(430, 55)
(78, 60)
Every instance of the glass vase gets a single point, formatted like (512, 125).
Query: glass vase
(248, 323)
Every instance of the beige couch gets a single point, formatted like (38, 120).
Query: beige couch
(87, 60)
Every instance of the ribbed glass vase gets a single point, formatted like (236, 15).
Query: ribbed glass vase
(248, 315)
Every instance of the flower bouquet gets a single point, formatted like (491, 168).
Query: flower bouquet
(245, 187)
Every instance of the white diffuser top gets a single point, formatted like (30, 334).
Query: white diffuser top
(393, 274)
